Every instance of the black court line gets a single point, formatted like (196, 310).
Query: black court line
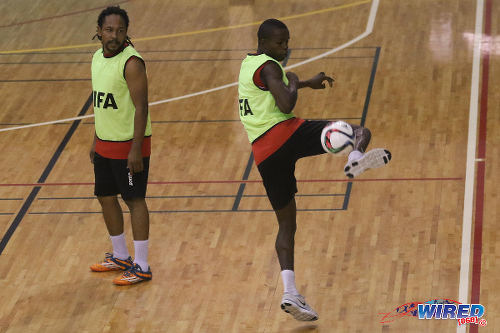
(43, 80)
(250, 49)
(347, 196)
(34, 192)
(299, 195)
(166, 60)
(14, 124)
(241, 189)
(370, 86)
(16, 199)
(219, 120)
(190, 211)
(197, 196)
(194, 121)
(46, 63)
(178, 50)
(365, 112)
(173, 121)
(56, 16)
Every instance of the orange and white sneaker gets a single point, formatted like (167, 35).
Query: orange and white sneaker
(111, 263)
(133, 275)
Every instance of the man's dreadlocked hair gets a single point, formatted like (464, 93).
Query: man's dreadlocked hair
(109, 11)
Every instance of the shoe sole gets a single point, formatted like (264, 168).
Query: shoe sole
(373, 159)
(105, 269)
(120, 282)
(116, 283)
(296, 312)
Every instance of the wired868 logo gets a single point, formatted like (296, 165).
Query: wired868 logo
(439, 309)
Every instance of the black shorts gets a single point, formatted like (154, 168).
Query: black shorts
(112, 178)
(278, 170)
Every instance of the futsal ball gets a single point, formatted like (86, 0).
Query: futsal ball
(338, 138)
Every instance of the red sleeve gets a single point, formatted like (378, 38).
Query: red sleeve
(257, 79)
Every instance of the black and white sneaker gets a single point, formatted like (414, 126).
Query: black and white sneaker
(372, 159)
(297, 307)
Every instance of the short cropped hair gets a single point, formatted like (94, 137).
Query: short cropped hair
(268, 26)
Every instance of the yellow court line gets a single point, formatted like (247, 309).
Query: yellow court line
(189, 33)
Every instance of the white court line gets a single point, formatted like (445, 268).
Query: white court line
(463, 289)
(368, 31)
(46, 123)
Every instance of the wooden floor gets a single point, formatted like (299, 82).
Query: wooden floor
(363, 248)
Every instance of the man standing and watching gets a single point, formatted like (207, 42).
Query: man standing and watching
(122, 144)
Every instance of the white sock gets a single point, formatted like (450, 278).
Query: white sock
(141, 254)
(120, 250)
(288, 278)
(354, 155)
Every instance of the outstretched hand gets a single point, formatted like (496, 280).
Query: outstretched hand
(317, 81)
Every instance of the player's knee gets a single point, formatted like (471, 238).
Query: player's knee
(107, 200)
(135, 203)
(364, 132)
(287, 228)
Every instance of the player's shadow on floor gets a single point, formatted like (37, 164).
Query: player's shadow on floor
(306, 329)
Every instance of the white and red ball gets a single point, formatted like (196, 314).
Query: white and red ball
(338, 138)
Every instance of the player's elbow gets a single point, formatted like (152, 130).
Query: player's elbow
(287, 108)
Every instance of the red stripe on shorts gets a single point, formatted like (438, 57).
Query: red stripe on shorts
(119, 150)
(273, 139)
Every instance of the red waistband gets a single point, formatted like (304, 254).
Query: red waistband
(119, 149)
(273, 139)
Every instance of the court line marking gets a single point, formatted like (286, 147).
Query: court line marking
(59, 16)
(192, 211)
(202, 121)
(150, 61)
(481, 165)
(368, 31)
(45, 174)
(237, 181)
(44, 80)
(199, 196)
(196, 32)
(183, 50)
(463, 289)
(364, 114)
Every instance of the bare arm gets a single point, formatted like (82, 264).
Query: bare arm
(285, 96)
(135, 75)
(317, 81)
